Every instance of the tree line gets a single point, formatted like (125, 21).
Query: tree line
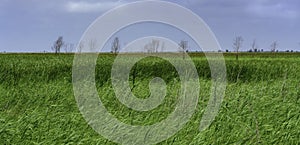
(156, 46)
(238, 41)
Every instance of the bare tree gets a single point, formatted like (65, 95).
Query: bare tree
(162, 48)
(115, 45)
(153, 46)
(58, 44)
(237, 44)
(92, 45)
(69, 47)
(254, 46)
(183, 46)
(148, 48)
(80, 47)
(274, 46)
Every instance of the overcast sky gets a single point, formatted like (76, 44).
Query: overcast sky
(33, 25)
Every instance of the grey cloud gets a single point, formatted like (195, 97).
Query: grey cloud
(90, 6)
(245, 9)
(273, 9)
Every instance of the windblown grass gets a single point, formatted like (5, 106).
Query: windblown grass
(262, 102)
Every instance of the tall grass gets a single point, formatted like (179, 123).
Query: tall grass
(261, 106)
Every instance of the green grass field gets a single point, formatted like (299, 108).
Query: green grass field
(261, 105)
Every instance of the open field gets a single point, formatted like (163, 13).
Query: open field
(261, 105)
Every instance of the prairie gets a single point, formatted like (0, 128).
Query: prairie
(261, 104)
